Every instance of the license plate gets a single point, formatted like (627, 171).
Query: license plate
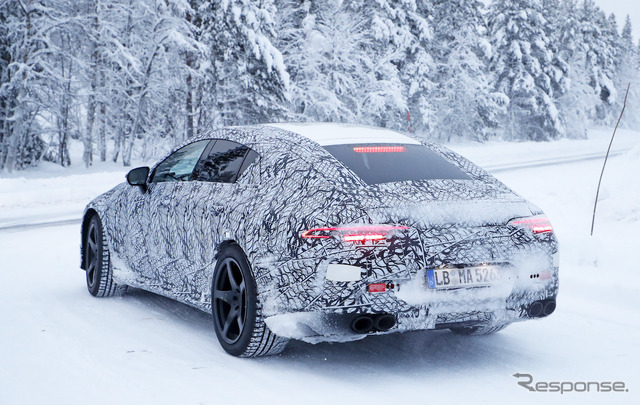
(463, 277)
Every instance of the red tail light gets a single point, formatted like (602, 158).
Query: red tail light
(538, 224)
(377, 287)
(318, 233)
(361, 233)
(378, 149)
(363, 237)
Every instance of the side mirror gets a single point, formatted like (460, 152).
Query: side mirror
(138, 177)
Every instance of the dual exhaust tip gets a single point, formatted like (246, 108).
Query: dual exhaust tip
(383, 322)
(538, 309)
(367, 323)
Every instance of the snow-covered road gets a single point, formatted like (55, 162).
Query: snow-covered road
(60, 345)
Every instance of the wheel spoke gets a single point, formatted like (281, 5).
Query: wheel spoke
(240, 321)
(92, 235)
(226, 296)
(231, 317)
(92, 255)
(232, 280)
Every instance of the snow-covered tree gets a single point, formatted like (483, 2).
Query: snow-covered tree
(395, 42)
(599, 47)
(315, 41)
(465, 104)
(525, 71)
(26, 76)
(247, 81)
(571, 93)
(628, 74)
(342, 59)
(5, 96)
(404, 27)
(137, 66)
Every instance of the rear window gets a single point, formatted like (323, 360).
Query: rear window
(378, 163)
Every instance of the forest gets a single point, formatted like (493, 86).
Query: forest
(131, 78)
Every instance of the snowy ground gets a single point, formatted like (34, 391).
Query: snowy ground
(60, 345)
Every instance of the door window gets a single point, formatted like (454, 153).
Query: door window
(179, 165)
(225, 162)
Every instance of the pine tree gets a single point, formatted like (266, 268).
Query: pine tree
(572, 95)
(628, 73)
(525, 71)
(316, 40)
(596, 42)
(409, 26)
(465, 105)
(247, 80)
(341, 70)
(393, 42)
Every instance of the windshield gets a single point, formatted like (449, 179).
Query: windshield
(385, 163)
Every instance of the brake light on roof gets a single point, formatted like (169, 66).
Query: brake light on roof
(537, 224)
(378, 149)
(361, 233)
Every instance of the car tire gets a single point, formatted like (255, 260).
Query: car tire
(478, 330)
(237, 310)
(97, 264)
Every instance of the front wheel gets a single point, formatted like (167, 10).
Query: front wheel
(237, 311)
(97, 263)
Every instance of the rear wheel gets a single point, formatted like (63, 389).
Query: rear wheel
(237, 310)
(97, 263)
(478, 330)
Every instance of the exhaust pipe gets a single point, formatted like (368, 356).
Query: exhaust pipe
(535, 309)
(542, 308)
(362, 324)
(549, 307)
(384, 322)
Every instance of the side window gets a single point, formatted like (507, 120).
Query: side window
(179, 165)
(224, 163)
(250, 158)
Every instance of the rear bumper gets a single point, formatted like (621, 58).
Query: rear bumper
(321, 326)
(442, 310)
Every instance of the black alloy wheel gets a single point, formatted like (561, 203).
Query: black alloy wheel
(93, 256)
(97, 263)
(237, 310)
(230, 301)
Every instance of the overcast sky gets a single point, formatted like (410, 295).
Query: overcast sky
(621, 8)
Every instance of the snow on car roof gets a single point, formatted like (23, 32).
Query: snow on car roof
(343, 134)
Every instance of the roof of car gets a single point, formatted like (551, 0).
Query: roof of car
(343, 134)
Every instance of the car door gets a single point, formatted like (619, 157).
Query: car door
(214, 215)
(163, 210)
